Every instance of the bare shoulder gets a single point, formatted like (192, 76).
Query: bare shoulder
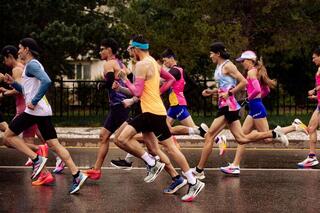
(230, 67)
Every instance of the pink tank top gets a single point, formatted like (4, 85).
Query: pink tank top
(176, 96)
(318, 84)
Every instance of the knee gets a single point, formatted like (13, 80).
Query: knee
(312, 129)
(104, 138)
(240, 139)
(120, 141)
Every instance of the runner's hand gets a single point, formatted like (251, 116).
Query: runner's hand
(8, 79)
(128, 102)
(31, 106)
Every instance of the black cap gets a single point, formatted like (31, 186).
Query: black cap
(32, 45)
(218, 47)
(9, 49)
(167, 53)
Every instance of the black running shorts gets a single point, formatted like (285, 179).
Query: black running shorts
(148, 122)
(229, 115)
(25, 120)
(118, 114)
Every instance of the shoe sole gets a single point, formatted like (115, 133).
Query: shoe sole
(227, 173)
(40, 167)
(49, 183)
(156, 174)
(80, 184)
(178, 187)
(195, 194)
(303, 166)
(120, 167)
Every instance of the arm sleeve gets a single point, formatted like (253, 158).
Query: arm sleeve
(109, 78)
(175, 73)
(169, 80)
(256, 89)
(265, 90)
(17, 86)
(33, 69)
(136, 89)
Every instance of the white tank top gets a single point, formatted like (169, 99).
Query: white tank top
(30, 87)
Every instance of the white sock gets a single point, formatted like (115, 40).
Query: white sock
(194, 131)
(148, 159)
(129, 158)
(190, 177)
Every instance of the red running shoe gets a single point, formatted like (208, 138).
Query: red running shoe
(43, 150)
(93, 174)
(45, 178)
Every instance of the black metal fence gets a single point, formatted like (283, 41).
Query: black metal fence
(73, 98)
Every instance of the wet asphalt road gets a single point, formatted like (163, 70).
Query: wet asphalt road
(269, 182)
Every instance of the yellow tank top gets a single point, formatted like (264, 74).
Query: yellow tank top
(150, 99)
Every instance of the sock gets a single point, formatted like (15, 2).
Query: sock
(129, 158)
(199, 170)
(176, 177)
(76, 175)
(191, 131)
(311, 155)
(274, 134)
(36, 159)
(190, 177)
(149, 160)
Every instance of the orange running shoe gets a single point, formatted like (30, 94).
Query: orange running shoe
(45, 178)
(93, 174)
(43, 150)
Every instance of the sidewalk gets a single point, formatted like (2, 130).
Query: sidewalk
(89, 137)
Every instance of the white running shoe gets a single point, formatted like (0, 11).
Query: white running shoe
(280, 136)
(300, 127)
(308, 162)
(203, 128)
(198, 175)
(230, 169)
(193, 191)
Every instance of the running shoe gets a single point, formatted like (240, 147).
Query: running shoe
(175, 185)
(193, 191)
(59, 166)
(308, 162)
(29, 162)
(175, 141)
(230, 169)
(280, 136)
(43, 150)
(222, 143)
(93, 174)
(203, 128)
(45, 178)
(121, 164)
(300, 127)
(38, 166)
(77, 183)
(153, 171)
(198, 175)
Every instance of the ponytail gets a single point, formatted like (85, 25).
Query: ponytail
(263, 75)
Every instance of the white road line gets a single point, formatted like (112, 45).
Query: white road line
(143, 168)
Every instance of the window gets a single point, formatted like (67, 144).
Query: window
(81, 72)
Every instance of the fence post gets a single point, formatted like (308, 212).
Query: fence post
(61, 97)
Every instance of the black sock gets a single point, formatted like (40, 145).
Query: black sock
(199, 170)
(36, 159)
(176, 177)
(312, 155)
(76, 175)
(274, 134)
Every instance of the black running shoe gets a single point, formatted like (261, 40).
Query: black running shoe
(203, 128)
(121, 164)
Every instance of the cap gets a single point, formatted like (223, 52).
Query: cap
(217, 47)
(247, 55)
(31, 44)
(9, 49)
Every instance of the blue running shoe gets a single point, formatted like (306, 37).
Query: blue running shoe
(38, 166)
(77, 183)
(175, 185)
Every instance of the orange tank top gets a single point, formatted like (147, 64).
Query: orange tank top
(150, 99)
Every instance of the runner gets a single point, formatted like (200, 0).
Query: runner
(311, 159)
(10, 54)
(230, 81)
(258, 87)
(178, 105)
(152, 120)
(35, 83)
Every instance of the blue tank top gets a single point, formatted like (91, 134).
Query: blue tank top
(224, 81)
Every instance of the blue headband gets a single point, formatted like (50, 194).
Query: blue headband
(140, 45)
